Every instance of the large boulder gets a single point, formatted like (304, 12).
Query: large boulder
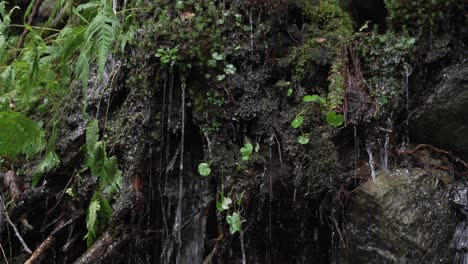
(443, 119)
(401, 217)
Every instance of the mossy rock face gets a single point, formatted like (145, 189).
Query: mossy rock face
(402, 216)
(442, 120)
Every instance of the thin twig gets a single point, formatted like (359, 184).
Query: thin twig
(4, 255)
(457, 159)
(25, 247)
(30, 21)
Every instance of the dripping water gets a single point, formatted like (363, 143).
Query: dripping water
(406, 133)
(386, 145)
(371, 160)
(241, 237)
(178, 219)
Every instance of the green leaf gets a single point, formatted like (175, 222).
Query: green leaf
(234, 222)
(297, 122)
(303, 139)
(19, 135)
(92, 220)
(246, 150)
(92, 135)
(50, 162)
(204, 169)
(290, 91)
(334, 119)
(217, 56)
(311, 98)
(223, 203)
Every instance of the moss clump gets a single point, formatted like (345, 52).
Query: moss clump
(330, 27)
(329, 18)
(420, 17)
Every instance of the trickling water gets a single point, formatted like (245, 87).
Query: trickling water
(386, 145)
(406, 135)
(371, 160)
(241, 237)
(178, 219)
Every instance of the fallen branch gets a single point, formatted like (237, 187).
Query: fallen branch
(25, 247)
(47, 244)
(457, 159)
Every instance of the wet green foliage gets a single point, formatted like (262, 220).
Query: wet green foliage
(19, 135)
(105, 170)
(420, 17)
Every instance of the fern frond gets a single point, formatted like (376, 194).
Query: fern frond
(92, 219)
(101, 32)
(92, 135)
(70, 40)
(105, 213)
(87, 7)
(50, 162)
(19, 135)
(82, 72)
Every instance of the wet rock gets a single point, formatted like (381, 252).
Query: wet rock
(442, 120)
(401, 217)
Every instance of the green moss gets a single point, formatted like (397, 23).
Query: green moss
(329, 18)
(419, 17)
(330, 27)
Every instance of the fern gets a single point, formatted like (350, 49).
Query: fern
(109, 178)
(99, 36)
(92, 135)
(51, 159)
(19, 135)
(50, 162)
(92, 219)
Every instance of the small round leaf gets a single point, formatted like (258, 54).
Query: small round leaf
(204, 169)
(303, 139)
(297, 122)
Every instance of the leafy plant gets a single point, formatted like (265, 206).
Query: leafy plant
(105, 170)
(98, 38)
(235, 223)
(246, 151)
(51, 159)
(224, 203)
(19, 135)
(168, 55)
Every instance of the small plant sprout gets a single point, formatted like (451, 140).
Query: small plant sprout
(168, 55)
(204, 169)
(303, 139)
(246, 151)
(235, 223)
(230, 69)
(224, 203)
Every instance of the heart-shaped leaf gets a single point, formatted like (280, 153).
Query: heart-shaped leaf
(297, 122)
(303, 139)
(334, 119)
(204, 169)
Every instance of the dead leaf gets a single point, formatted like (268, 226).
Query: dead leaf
(187, 15)
(320, 40)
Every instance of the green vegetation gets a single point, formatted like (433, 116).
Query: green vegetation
(109, 177)
(204, 169)
(19, 135)
(420, 17)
